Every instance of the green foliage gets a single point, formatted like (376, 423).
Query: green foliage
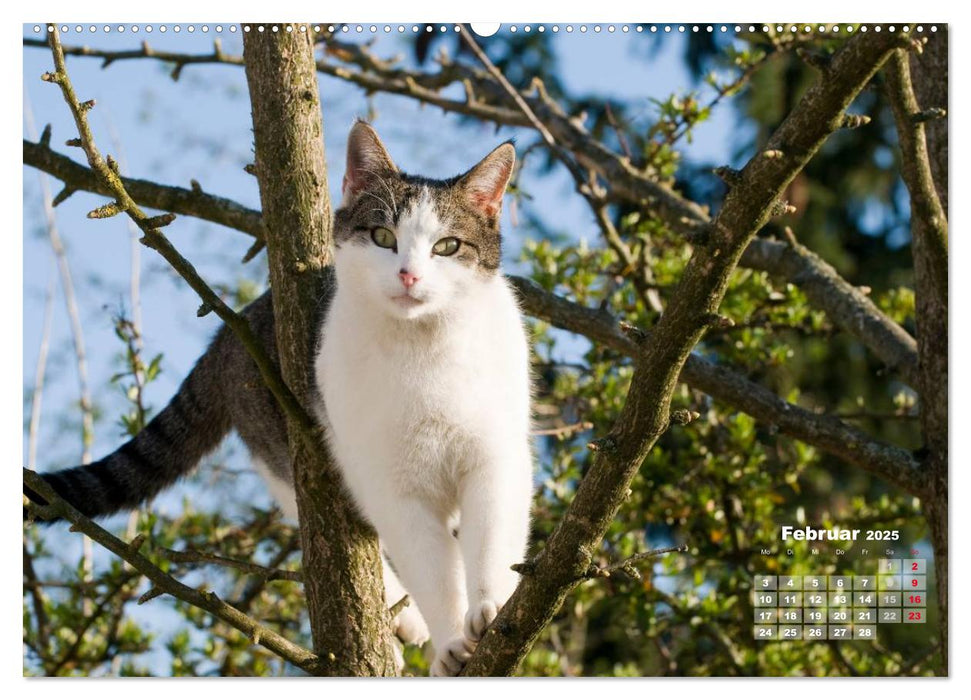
(723, 485)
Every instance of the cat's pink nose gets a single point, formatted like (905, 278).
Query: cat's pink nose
(407, 278)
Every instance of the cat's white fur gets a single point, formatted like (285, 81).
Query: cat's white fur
(427, 406)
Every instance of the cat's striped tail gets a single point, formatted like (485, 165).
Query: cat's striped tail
(190, 426)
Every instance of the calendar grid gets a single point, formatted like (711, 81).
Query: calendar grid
(839, 606)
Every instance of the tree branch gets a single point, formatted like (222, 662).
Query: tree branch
(894, 464)
(341, 559)
(929, 232)
(929, 73)
(854, 313)
(178, 200)
(845, 305)
(180, 60)
(796, 263)
(189, 556)
(106, 172)
(164, 583)
(645, 415)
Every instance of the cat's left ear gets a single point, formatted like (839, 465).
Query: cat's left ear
(485, 183)
(367, 160)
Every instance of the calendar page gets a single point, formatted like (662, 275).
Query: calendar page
(574, 349)
(857, 604)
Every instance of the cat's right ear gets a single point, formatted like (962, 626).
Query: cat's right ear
(367, 160)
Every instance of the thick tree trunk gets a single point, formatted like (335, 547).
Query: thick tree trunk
(929, 232)
(930, 76)
(341, 562)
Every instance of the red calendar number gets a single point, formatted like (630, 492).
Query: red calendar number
(913, 583)
(913, 566)
(913, 615)
(915, 599)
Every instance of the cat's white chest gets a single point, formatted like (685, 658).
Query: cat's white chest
(407, 415)
(392, 417)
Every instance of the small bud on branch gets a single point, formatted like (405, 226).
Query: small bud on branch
(929, 115)
(853, 121)
(106, 211)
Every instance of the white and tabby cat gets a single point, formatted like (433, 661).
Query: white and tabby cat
(422, 369)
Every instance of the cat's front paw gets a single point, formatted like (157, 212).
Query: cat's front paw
(479, 617)
(410, 627)
(451, 659)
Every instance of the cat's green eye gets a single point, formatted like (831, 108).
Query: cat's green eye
(446, 247)
(383, 237)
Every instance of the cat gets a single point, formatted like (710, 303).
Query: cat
(422, 369)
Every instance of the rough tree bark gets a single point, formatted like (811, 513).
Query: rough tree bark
(341, 562)
(341, 565)
(693, 309)
(929, 230)
(930, 76)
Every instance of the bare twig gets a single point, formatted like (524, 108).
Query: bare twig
(645, 416)
(852, 311)
(263, 572)
(178, 200)
(629, 565)
(154, 238)
(70, 301)
(145, 51)
(37, 395)
(164, 583)
(534, 121)
(564, 430)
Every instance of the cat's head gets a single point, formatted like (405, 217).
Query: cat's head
(412, 246)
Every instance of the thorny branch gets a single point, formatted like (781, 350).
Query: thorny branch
(178, 200)
(629, 565)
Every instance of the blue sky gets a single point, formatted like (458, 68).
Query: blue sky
(198, 127)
